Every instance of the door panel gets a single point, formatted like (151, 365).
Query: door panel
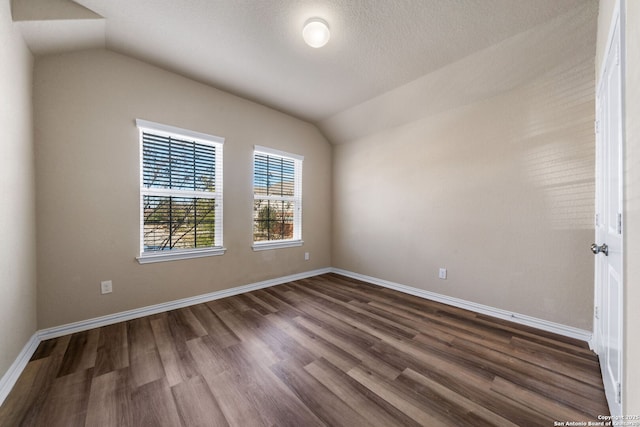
(609, 267)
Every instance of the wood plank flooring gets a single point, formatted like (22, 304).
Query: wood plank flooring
(328, 350)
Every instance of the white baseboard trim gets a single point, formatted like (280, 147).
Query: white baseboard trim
(9, 379)
(545, 325)
(110, 319)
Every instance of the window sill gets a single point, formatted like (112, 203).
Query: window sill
(265, 246)
(177, 255)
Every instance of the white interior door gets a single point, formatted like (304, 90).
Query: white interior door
(609, 222)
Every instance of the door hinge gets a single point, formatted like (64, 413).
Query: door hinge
(597, 221)
(619, 394)
(619, 223)
(596, 314)
(596, 126)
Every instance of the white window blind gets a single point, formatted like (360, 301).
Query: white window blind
(277, 198)
(180, 193)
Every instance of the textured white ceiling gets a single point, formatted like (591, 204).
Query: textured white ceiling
(552, 47)
(254, 48)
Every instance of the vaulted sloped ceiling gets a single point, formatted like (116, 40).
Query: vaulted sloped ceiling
(559, 43)
(254, 48)
(52, 26)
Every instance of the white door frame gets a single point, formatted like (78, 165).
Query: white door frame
(604, 318)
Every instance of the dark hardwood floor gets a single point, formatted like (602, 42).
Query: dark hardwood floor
(328, 350)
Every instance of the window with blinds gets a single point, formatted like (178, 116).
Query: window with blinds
(180, 193)
(277, 198)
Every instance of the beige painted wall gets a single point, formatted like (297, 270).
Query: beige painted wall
(17, 194)
(88, 185)
(631, 193)
(499, 191)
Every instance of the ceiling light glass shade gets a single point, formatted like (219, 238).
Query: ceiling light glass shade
(316, 32)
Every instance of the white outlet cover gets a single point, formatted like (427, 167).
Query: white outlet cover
(442, 274)
(106, 287)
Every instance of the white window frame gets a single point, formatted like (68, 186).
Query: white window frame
(296, 199)
(201, 138)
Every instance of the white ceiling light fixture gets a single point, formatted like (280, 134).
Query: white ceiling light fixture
(316, 32)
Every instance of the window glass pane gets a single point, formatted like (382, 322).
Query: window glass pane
(277, 196)
(272, 220)
(273, 176)
(178, 222)
(177, 164)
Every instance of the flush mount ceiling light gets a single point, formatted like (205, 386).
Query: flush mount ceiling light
(316, 32)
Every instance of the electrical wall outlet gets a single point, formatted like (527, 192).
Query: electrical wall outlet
(106, 287)
(306, 256)
(442, 273)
